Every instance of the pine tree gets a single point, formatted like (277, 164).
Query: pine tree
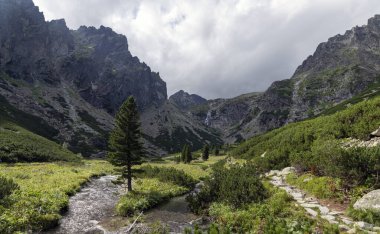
(216, 151)
(206, 152)
(125, 146)
(183, 154)
(189, 156)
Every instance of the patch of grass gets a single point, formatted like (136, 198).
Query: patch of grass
(148, 192)
(20, 145)
(44, 192)
(320, 187)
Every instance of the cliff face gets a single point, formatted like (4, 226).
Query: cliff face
(73, 80)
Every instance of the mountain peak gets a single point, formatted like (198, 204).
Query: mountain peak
(374, 23)
(185, 100)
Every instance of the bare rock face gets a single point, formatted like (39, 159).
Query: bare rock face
(370, 201)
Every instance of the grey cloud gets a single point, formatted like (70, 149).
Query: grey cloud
(218, 48)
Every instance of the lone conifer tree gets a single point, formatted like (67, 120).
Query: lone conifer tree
(206, 152)
(189, 156)
(125, 146)
(183, 153)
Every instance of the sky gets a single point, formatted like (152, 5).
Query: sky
(218, 48)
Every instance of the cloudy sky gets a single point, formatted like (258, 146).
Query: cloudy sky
(218, 48)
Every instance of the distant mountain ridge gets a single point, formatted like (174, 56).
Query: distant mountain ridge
(340, 68)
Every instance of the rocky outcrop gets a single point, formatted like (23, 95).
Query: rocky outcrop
(370, 201)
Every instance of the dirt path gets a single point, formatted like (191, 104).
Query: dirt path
(315, 207)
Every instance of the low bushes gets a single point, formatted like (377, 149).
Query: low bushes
(177, 177)
(7, 187)
(354, 166)
(237, 185)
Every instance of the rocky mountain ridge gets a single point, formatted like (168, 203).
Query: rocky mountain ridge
(344, 66)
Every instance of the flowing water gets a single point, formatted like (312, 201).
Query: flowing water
(92, 210)
(94, 202)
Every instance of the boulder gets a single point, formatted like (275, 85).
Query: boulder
(370, 201)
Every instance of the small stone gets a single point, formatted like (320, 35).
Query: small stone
(344, 227)
(297, 195)
(324, 210)
(352, 231)
(336, 213)
(308, 205)
(329, 218)
(311, 212)
(376, 229)
(364, 225)
(347, 221)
